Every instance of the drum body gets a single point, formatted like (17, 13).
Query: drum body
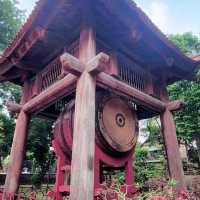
(116, 126)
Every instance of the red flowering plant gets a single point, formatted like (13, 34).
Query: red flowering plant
(168, 192)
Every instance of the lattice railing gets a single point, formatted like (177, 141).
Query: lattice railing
(131, 73)
(128, 70)
(52, 72)
(132, 77)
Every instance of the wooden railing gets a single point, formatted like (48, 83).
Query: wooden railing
(52, 72)
(132, 77)
(128, 72)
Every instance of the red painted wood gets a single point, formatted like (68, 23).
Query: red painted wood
(122, 88)
(13, 107)
(172, 150)
(175, 166)
(82, 172)
(52, 93)
(175, 105)
(62, 162)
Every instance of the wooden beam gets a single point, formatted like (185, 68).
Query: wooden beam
(71, 64)
(137, 96)
(114, 65)
(16, 155)
(171, 143)
(82, 171)
(175, 105)
(98, 64)
(13, 107)
(172, 150)
(22, 66)
(36, 36)
(53, 92)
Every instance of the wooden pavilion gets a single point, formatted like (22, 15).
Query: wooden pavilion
(76, 47)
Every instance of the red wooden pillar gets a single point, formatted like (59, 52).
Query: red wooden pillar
(171, 145)
(17, 150)
(82, 169)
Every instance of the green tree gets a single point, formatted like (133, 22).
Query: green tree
(38, 141)
(187, 42)
(38, 148)
(6, 131)
(11, 18)
(187, 119)
(152, 132)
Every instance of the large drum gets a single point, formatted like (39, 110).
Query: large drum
(116, 126)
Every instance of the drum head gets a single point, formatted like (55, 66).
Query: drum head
(118, 124)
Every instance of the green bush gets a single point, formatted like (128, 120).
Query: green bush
(145, 170)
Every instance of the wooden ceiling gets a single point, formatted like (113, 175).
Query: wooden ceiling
(54, 25)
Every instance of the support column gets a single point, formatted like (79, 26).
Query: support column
(82, 169)
(17, 151)
(175, 166)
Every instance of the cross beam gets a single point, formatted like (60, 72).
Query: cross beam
(71, 64)
(58, 89)
(97, 66)
(122, 88)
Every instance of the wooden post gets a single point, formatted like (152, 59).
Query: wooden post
(171, 144)
(82, 169)
(17, 150)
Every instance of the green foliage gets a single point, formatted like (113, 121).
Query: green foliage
(6, 132)
(38, 141)
(10, 20)
(154, 130)
(38, 147)
(187, 119)
(9, 92)
(187, 42)
(145, 170)
(5, 163)
(166, 191)
(36, 180)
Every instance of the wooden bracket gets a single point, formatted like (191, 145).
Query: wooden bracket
(13, 107)
(175, 105)
(71, 64)
(98, 64)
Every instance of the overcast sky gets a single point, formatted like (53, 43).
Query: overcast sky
(171, 16)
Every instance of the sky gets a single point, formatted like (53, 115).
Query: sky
(171, 16)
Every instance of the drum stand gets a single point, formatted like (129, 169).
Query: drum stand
(125, 163)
